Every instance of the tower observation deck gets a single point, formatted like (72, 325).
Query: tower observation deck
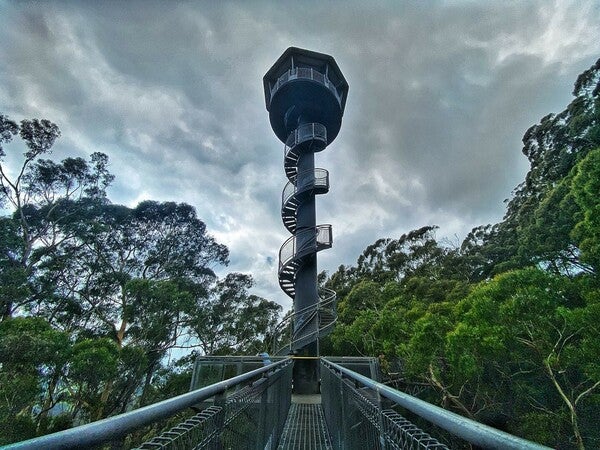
(305, 95)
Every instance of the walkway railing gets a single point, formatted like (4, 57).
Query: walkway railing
(353, 407)
(250, 410)
(254, 414)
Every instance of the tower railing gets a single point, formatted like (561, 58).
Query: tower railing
(306, 73)
(303, 133)
(310, 242)
(326, 317)
(320, 179)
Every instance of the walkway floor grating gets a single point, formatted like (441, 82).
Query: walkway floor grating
(305, 428)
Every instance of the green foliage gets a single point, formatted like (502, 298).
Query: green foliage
(94, 361)
(586, 191)
(524, 330)
(504, 328)
(366, 295)
(232, 321)
(30, 351)
(94, 295)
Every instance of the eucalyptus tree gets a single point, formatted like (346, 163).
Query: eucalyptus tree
(43, 196)
(233, 321)
(136, 276)
(539, 216)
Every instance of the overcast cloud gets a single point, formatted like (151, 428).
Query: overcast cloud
(440, 95)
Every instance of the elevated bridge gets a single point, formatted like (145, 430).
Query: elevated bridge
(256, 409)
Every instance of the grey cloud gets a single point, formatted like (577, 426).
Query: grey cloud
(440, 95)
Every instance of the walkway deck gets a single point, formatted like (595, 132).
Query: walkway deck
(305, 427)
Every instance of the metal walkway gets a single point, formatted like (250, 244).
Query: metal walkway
(305, 427)
(257, 410)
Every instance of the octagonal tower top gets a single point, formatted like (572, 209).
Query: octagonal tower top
(305, 86)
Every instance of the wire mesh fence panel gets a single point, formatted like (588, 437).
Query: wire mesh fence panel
(402, 434)
(251, 418)
(198, 431)
(357, 420)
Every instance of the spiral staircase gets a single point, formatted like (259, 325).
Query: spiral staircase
(305, 94)
(296, 328)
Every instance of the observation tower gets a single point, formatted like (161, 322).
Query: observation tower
(305, 95)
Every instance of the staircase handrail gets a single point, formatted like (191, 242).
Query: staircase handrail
(303, 133)
(289, 249)
(320, 179)
(327, 301)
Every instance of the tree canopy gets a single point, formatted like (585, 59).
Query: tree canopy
(502, 328)
(94, 295)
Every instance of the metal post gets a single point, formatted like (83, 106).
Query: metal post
(382, 439)
(220, 401)
(343, 430)
(262, 434)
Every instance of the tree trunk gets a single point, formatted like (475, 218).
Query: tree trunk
(570, 405)
(48, 402)
(453, 398)
(148, 380)
(103, 399)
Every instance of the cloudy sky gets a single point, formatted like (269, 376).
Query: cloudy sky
(441, 93)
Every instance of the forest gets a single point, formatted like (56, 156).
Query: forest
(503, 328)
(94, 295)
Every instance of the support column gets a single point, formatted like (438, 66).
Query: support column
(306, 372)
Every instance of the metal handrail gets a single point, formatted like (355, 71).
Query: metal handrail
(320, 179)
(327, 299)
(305, 132)
(474, 432)
(324, 235)
(312, 335)
(308, 73)
(289, 249)
(106, 430)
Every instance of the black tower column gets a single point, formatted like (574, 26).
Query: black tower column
(306, 222)
(306, 372)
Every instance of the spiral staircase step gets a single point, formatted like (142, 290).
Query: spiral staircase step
(322, 315)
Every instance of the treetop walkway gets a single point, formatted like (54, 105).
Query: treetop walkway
(255, 409)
